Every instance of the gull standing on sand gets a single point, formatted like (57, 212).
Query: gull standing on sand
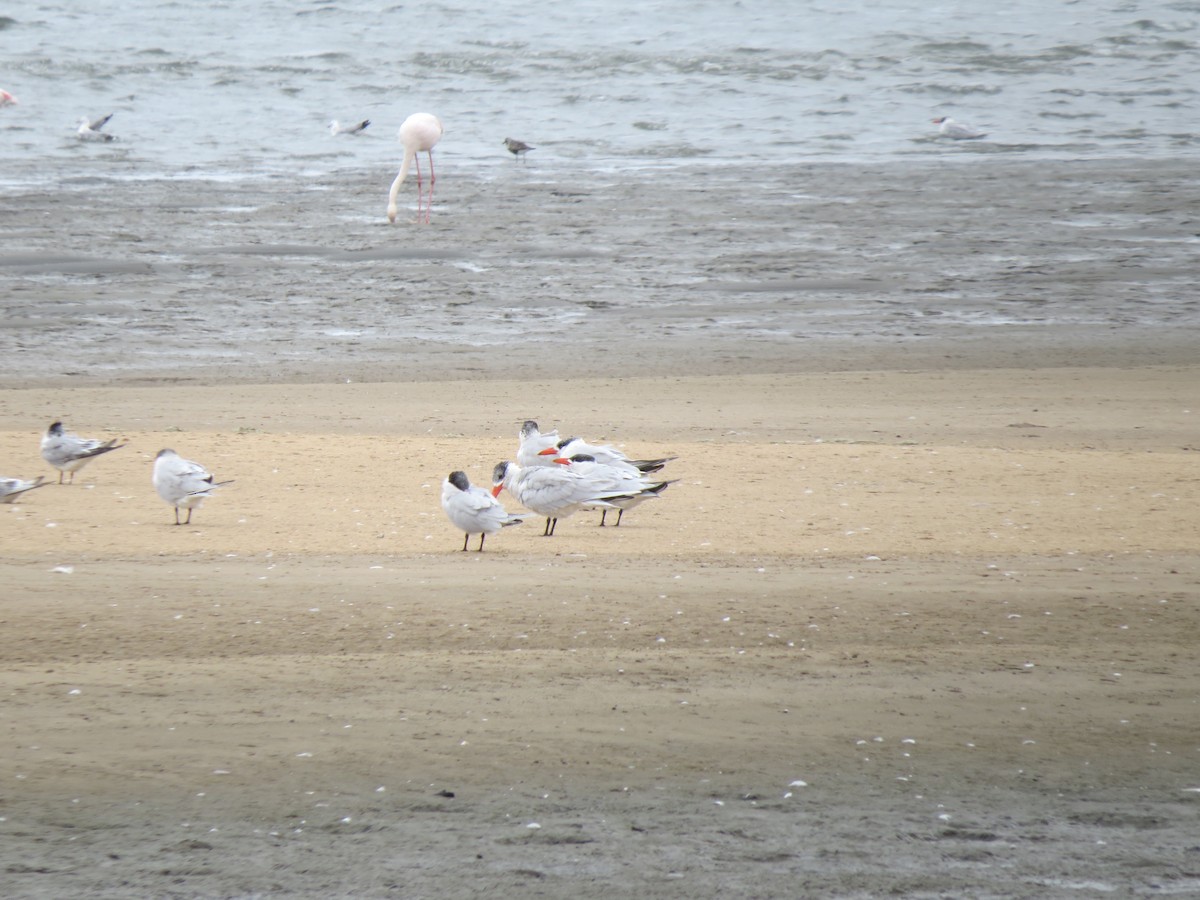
(11, 488)
(419, 133)
(473, 509)
(550, 491)
(357, 128)
(957, 131)
(635, 487)
(517, 148)
(89, 129)
(182, 483)
(69, 453)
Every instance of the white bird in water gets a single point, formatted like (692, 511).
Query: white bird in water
(11, 488)
(182, 483)
(7, 99)
(357, 128)
(536, 448)
(473, 509)
(69, 453)
(89, 129)
(630, 482)
(517, 148)
(419, 133)
(550, 491)
(957, 131)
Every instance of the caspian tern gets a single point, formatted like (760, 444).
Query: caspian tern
(356, 128)
(536, 448)
(551, 491)
(634, 485)
(957, 131)
(517, 148)
(473, 509)
(182, 483)
(89, 129)
(609, 455)
(11, 488)
(69, 453)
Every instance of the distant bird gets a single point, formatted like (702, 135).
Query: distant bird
(957, 131)
(473, 509)
(89, 129)
(357, 128)
(182, 483)
(419, 134)
(517, 148)
(69, 453)
(7, 99)
(11, 488)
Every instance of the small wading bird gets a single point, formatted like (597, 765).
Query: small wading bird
(357, 128)
(11, 488)
(419, 134)
(69, 453)
(517, 148)
(182, 483)
(473, 509)
(89, 129)
(957, 131)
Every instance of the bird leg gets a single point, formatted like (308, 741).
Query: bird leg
(466, 537)
(482, 535)
(603, 513)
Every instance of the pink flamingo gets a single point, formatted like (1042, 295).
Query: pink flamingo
(420, 132)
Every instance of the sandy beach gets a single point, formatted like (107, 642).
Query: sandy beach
(917, 618)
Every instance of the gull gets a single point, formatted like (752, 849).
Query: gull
(635, 487)
(182, 483)
(357, 128)
(610, 455)
(550, 491)
(517, 148)
(11, 488)
(89, 129)
(7, 99)
(958, 131)
(536, 448)
(69, 453)
(419, 133)
(473, 509)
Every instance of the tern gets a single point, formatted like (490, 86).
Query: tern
(473, 509)
(11, 488)
(957, 131)
(69, 453)
(182, 483)
(551, 491)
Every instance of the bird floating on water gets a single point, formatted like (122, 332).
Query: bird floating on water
(356, 128)
(89, 129)
(957, 131)
(419, 134)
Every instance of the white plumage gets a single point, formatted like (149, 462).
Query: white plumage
(69, 452)
(182, 483)
(473, 509)
(11, 488)
(551, 491)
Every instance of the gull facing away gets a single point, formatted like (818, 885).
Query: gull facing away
(551, 491)
(473, 509)
(957, 131)
(419, 133)
(182, 483)
(11, 488)
(536, 448)
(517, 148)
(89, 129)
(357, 128)
(69, 453)
(7, 99)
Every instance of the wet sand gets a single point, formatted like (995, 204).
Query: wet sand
(917, 618)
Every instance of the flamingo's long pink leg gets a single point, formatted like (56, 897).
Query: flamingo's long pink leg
(432, 179)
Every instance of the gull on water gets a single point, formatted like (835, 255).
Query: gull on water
(957, 131)
(69, 453)
(517, 148)
(356, 128)
(11, 488)
(182, 483)
(473, 509)
(89, 129)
